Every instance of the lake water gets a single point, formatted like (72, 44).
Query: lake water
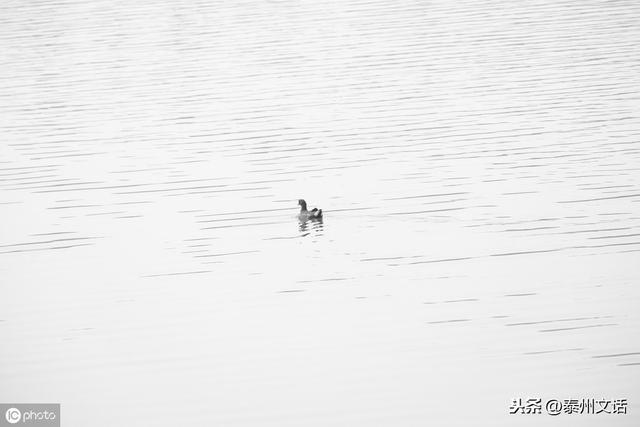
(477, 162)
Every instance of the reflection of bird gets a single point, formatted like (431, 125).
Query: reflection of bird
(304, 214)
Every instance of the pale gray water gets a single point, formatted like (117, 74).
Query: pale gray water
(477, 162)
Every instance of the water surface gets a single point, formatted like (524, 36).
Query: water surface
(477, 163)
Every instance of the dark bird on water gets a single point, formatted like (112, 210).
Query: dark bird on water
(304, 214)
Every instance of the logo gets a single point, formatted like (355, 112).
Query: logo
(30, 414)
(12, 415)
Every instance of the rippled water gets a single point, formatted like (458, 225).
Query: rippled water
(477, 163)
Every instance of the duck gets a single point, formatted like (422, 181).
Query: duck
(304, 214)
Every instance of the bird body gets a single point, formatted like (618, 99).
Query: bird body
(305, 214)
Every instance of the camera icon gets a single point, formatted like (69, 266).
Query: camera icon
(12, 415)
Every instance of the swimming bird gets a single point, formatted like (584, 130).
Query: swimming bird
(304, 214)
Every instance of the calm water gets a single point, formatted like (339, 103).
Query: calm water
(477, 163)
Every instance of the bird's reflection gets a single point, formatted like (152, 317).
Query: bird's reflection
(310, 226)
